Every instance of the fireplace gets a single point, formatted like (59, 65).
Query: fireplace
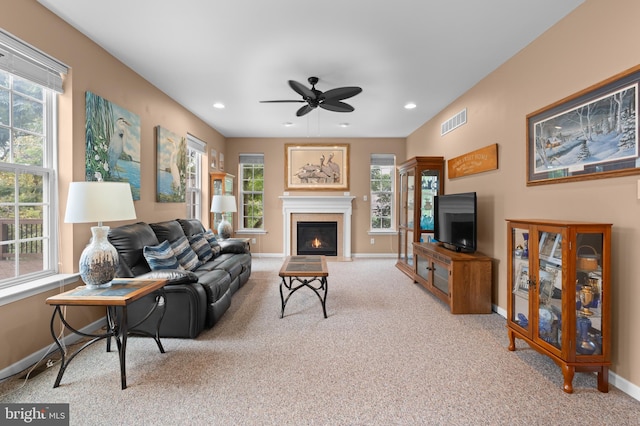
(317, 238)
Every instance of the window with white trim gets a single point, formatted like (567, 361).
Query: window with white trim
(382, 184)
(195, 150)
(29, 81)
(251, 188)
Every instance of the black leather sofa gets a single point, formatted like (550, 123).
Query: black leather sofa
(195, 300)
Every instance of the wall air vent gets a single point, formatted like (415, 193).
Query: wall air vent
(454, 122)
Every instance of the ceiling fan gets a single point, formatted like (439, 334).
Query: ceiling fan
(329, 100)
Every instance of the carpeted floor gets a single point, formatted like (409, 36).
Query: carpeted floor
(389, 354)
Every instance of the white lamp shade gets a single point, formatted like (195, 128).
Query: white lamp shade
(223, 204)
(99, 202)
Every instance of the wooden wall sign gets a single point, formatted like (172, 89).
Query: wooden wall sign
(477, 161)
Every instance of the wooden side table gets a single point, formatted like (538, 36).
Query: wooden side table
(120, 295)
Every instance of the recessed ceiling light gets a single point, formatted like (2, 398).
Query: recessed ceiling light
(287, 124)
(218, 105)
(344, 124)
(410, 105)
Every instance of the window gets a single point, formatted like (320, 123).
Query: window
(251, 191)
(195, 149)
(28, 148)
(382, 179)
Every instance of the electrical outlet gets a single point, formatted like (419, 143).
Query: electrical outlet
(373, 241)
(364, 198)
(253, 241)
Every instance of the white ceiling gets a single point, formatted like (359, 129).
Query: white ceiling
(240, 52)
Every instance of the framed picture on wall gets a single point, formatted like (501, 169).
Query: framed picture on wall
(213, 155)
(112, 136)
(171, 168)
(316, 167)
(591, 134)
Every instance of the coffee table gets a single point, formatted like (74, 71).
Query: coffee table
(116, 299)
(304, 271)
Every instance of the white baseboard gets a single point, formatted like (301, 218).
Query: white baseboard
(40, 355)
(614, 380)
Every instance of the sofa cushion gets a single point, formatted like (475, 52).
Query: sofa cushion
(187, 258)
(201, 247)
(161, 256)
(234, 245)
(216, 283)
(191, 226)
(213, 242)
(169, 230)
(130, 240)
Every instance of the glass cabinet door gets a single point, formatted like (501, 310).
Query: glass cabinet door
(549, 287)
(429, 183)
(411, 214)
(520, 300)
(589, 293)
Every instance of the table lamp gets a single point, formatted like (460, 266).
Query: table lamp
(99, 202)
(224, 204)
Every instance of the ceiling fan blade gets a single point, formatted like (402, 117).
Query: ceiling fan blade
(336, 106)
(283, 101)
(304, 110)
(341, 93)
(302, 90)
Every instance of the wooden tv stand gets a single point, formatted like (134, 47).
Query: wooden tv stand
(461, 280)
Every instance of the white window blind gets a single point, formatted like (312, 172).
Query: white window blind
(383, 159)
(22, 59)
(196, 144)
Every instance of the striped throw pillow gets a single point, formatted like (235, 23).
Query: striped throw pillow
(161, 257)
(187, 258)
(201, 247)
(213, 242)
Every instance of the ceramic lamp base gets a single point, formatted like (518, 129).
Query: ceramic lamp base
(224, 229)
(99, 260)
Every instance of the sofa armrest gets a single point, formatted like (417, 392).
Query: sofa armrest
(173, 276)
(235, 245)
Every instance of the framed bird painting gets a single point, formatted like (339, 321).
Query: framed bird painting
(316, 167)
(112, 143)
(171, 171)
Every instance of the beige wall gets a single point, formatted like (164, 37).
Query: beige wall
(595, 42)
(360, 151)
(92, 69)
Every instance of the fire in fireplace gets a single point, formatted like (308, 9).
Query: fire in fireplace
(317, 238)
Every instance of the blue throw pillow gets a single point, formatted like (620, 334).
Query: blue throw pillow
(213, 242)
(161, 257)
(201, 247)
(187, 258)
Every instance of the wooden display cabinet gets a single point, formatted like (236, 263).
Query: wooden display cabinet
(220, 183)
(461, 280)
(421, 179)
(559, 293)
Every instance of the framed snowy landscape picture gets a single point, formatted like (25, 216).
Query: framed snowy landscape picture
(589, 135)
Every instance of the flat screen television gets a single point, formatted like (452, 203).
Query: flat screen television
(455, 221)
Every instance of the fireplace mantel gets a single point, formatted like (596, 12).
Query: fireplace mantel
(339, 204)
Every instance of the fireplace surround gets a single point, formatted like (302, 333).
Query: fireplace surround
(321, 209)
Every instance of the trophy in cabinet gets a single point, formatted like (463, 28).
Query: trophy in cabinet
(586, 298)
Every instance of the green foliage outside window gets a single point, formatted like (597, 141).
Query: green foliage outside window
(252, 196)
(381, 179)
(21, 142)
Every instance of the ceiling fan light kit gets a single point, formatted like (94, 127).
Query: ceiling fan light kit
(329, 100)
